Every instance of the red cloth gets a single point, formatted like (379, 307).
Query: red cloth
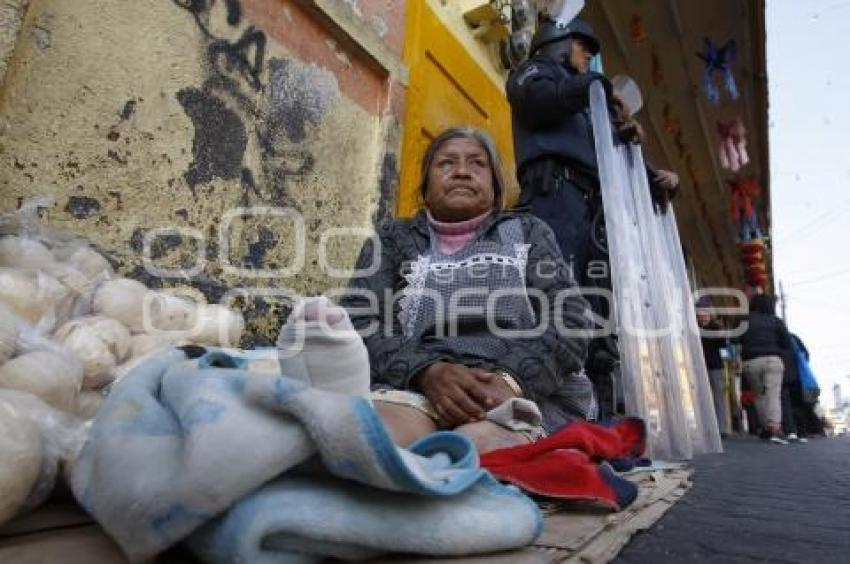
(566, 464)
(743, 192)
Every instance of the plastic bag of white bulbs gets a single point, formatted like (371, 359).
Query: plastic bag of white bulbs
(160, 319)
(34, 439)
(47, 276)
(35, 297)
(141, 309)
(58, 284)
(182, 313)
(44, 368)
(10, 325)
(99, 343)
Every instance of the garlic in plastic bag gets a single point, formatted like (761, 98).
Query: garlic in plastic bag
(57, 437)
(9, 327)
(34, 296)
(52, 377)
(20, 465)
(122, 299)
(99, 342)
(24, 252)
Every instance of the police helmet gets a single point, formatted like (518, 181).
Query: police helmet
(550, 31)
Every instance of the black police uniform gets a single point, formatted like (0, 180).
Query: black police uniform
(557, 168)
(555, 153)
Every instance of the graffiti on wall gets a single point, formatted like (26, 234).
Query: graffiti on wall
(252, 117)
(248, 97)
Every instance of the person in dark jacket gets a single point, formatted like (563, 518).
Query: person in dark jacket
(556, 158)
(437, 361)
(763, 346)
(802, 398)
(711, 347)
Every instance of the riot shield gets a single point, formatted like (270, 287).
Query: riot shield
(663, 381)
(706, 435)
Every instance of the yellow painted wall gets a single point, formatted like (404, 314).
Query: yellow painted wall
(453, 81)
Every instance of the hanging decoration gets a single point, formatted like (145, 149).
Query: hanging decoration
(719, 60)
(752, 250)
(756, 270)
(750, 241)
(752, 258)
(639, 35)
(742, 209)
(732, 148)
(754, 262)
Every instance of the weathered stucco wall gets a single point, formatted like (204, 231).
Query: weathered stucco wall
(11, 16)
(171, 115)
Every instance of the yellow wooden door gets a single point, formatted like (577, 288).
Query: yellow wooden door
(448, 87)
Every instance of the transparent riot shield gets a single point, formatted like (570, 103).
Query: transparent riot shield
(706, 436)
(661, 382)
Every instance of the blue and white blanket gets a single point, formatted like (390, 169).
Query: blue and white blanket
(207, 451)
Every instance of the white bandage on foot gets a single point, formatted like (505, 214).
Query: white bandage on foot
(318, 345)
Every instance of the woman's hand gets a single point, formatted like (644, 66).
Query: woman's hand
(461, 394)
(497, 390)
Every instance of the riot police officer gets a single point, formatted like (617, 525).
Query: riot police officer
(556, 156)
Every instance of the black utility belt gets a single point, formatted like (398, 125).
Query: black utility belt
(583, 182)
(545, 175)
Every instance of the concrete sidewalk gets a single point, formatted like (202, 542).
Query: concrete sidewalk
(758, 502)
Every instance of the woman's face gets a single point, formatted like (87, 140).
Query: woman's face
(460, 181)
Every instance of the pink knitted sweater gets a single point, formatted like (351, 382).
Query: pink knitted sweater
(453, 236)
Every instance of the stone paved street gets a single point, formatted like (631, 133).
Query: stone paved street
(758, 502)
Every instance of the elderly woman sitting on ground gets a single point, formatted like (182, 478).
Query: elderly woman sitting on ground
(466, 307)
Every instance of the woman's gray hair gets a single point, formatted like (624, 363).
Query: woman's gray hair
(489, 147)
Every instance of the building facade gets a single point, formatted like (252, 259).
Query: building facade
(254, 143)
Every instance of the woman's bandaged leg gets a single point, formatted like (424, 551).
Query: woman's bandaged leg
(319, 346)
